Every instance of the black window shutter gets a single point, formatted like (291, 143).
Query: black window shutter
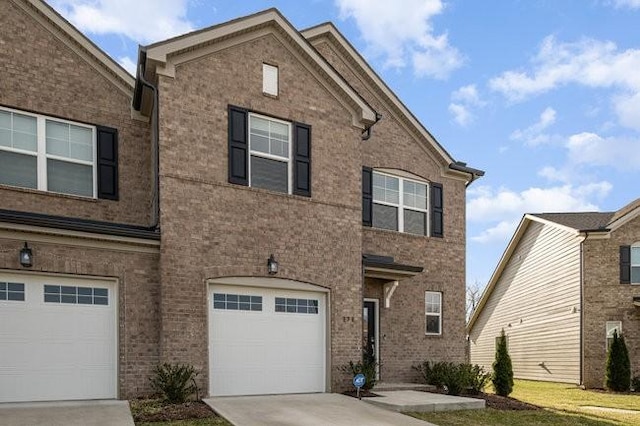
(107, 163)
(437, 211)
(367, 196)
(238, 146)
(302, 159)
(625, 264)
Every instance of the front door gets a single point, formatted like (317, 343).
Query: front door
(370, 331)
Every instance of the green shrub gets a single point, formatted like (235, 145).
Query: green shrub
(618, 368)
(502, 369)
(175, 382)
(368, 367)
(476, 378)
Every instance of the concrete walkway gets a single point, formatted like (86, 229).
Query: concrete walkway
(423, 402)
(306, 410)
(76, 413)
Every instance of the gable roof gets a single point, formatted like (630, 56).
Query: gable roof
(329, 32)
(78, 42)
(580, 223)
(587, 221)
(166, 54)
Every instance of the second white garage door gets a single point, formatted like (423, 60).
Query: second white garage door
(266, 341)
(57, 338)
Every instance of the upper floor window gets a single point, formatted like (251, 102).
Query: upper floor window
(635, 264)
(399, 204)
(48, 154)
(270, 153)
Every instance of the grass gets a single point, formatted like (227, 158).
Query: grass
(563, 405)
(216, 421)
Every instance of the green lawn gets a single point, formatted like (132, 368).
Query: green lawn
(563, 403)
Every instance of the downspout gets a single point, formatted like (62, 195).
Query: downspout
(586, 235)
(367, 133)
(155, 131)
(462, 167)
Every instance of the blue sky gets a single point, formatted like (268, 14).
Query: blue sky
(543, 95)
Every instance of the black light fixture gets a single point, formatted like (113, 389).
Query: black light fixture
(272, 265)
(26, 256)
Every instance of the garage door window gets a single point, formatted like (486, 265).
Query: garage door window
(76, 295)
(12, 291)
(299, 306)
(237, 302)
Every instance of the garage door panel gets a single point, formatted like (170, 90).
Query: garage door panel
(57, 351)
(268, 351)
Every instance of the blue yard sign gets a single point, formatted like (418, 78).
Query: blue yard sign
(358, 381)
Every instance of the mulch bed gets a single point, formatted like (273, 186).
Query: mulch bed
(363, 394)
(504, 403)
(153, 410)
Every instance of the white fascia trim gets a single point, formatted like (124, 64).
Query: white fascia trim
(323, 30)
(38, 234)
(109, 67)
(552, 223)
(160, 52)
(624, 219)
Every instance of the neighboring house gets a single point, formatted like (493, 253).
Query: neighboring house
(565, 282)
(257, 203)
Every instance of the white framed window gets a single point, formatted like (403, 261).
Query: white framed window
(48, 154)
(610, 327)
(433, 312)
(12, 291)
(270, 79)
(635, 264)
(270, 153)
(400, 204)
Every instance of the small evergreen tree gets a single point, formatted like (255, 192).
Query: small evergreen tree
(618, 368)
(502, 369)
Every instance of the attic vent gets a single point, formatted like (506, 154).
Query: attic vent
(270, 80)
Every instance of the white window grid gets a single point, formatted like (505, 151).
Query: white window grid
(401, 202)
(635, 264)
(610, 326)
(273, 156)
(41, 152)
(433, 308)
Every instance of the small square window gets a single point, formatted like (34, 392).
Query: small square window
(270, 79)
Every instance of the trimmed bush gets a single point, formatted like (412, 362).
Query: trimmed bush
(368, 367)
(502, 368)
(618, 369)
(477, 378)
(455, 378)
(175, 382)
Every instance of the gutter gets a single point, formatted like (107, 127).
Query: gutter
(141, 83)
(367, 132)
(462, 167)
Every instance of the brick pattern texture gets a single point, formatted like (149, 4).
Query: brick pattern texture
(605, 299)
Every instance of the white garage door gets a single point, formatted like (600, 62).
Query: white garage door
(266, 341)
(57, 338)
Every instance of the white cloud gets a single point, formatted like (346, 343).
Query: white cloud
(488, 205)
(628, 110)
(588, 62)
(594, 150)
(128, 64)
(402, 33)
(143, 21)
(463, 99)
(501, 232)
(631, 4)
(533, 135)
(461, 114)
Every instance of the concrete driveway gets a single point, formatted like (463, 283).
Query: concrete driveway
(76, 413)
(306, 410)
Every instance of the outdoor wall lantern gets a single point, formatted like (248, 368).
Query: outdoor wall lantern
(26, 256)
(272, 265)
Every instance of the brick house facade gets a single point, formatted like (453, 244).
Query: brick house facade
(565, 283)
(182, 207)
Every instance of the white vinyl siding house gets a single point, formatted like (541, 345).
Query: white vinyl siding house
(534, 296)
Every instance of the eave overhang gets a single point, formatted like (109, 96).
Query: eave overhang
(384, 267)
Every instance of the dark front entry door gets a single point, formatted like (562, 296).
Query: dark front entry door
(369, 331)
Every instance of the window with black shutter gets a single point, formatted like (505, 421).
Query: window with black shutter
(269, 153)
(107, 163)
(437, 210)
